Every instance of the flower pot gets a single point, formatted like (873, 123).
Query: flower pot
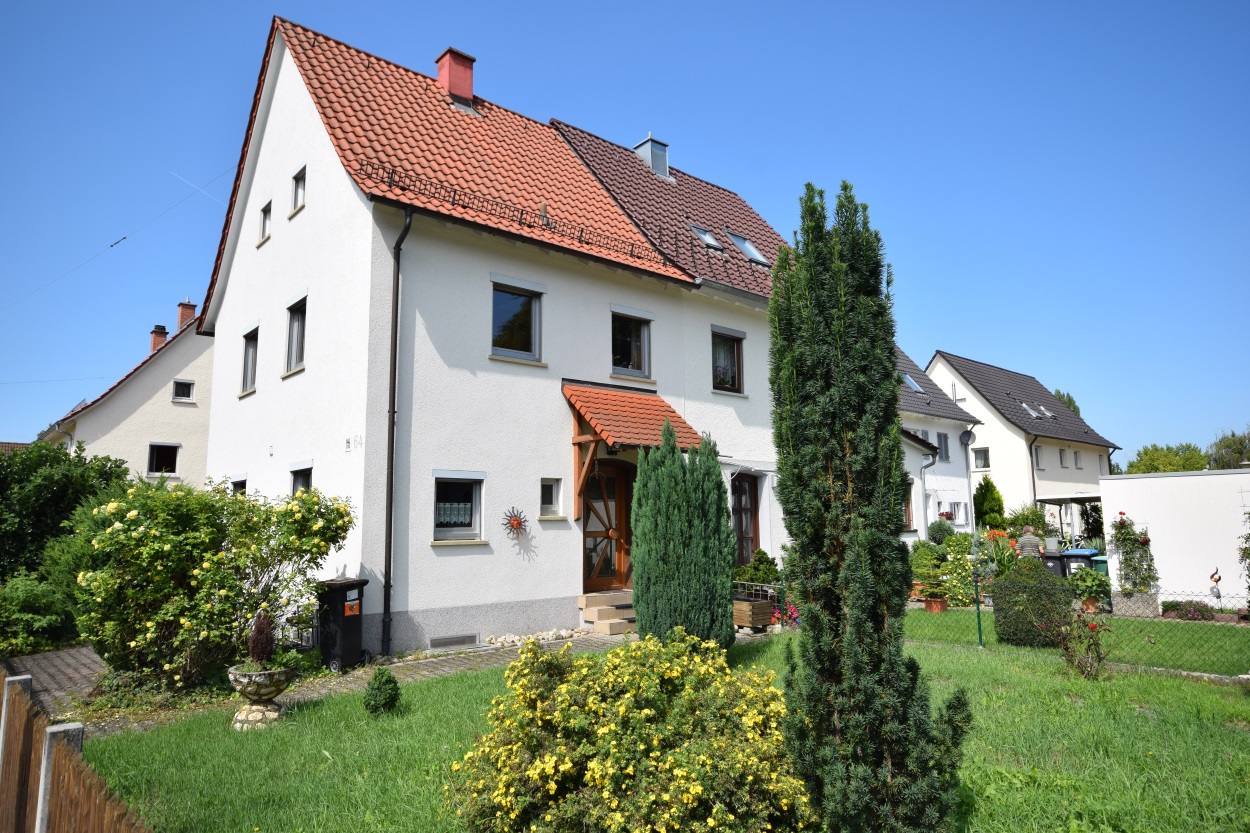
(935, 605)
(1090, 605)
(261, 686)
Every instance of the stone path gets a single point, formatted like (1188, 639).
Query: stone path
(58, 675)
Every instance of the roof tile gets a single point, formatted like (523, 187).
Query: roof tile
(629, 418)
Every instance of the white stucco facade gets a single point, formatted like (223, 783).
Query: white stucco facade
(144, 409)
(1195, 521)
(942, 486)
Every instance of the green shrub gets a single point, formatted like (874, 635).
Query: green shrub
(650, 736)
(1190, 609)
(1030, 602)
(1029, 514)
(957, 581)
(958, 544)
(761, 570)
(940, 530)
(988, 503)
(33, 616)
(382, 693)
(925, 559)
(1137, 562)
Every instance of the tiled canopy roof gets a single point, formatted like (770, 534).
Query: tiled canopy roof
(933, 402)
(666, 208)
(629, 418)
(1008, 392)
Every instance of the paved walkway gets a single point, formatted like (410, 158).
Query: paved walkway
(56, 676)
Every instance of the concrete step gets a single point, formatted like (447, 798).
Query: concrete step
(605, 598)
(603, 614)
(615, 626)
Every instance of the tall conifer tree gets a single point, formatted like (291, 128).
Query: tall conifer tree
(683, 548)
(860, 727)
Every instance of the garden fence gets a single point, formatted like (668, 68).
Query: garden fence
(1174, 631)
(45, 785)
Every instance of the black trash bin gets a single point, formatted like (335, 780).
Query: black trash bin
(339, 613)
(1075, 559)
(1054, 563)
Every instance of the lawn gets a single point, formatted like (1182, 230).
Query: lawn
(1207, 647)
(1049, 751)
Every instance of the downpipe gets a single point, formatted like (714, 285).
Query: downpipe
(390, 439)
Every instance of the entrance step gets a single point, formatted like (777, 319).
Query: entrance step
(605, 598)
(615, 626)
(608, 612)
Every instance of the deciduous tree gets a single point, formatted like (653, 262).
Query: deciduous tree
(1067, 399)
(1229, 450)
(1159, 458)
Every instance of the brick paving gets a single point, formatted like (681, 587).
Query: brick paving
(56, 676)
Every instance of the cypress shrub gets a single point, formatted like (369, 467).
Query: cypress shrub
(1029, 603)
(683, 546)
(988, 503)
(382, 693)
(940, 530)
(860, 728)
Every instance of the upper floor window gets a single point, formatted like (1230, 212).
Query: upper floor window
(631, 345)
(1076, 458)
(250, 342)
(981, 458)
(944, 447)
(298, 183)
(706, 236)
(266, 218)
(297, 316)
(184, 391)
(516, 321)
(727, 359)
(162, 458)
(1037, 457)
(1063, 458)
(301, 480)
(744, 246)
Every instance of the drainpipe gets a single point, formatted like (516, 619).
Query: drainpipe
(924, 494)
(972, 509)
(1033, 468)
(390, 440)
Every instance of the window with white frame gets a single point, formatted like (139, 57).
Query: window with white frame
(296, 320)
(549, 502)
(981, 458)
(266, 220)
(944, 447)
(301, 479)
(238, 487)
(1063, 458)
(631, 345)
(1076, 459)
(516, 322)
(727, 359)
(298, 186)
(457, 509)
(184, 390)
(1037, 457)
(250, 342)
(162, 458)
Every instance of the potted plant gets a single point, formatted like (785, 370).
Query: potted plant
(935, 600)
(261, 678)
(1091, 586)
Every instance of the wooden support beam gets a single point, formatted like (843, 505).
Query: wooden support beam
(584, 438)
(593, 451)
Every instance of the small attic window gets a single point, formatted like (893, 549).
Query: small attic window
(1032, 412)
(911, 383)
(706, 236)
(744, 246)
(1042, 408)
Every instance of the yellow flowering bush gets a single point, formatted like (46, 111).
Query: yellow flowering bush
(178, 573)
(650, 736)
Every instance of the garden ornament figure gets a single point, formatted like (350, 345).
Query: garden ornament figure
(1215, 587)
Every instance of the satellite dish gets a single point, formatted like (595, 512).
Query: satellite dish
(967, 438)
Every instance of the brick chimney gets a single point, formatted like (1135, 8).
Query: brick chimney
(159, 335)
(455, 74)
(186, 313)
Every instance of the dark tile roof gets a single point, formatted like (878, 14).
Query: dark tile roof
(664, 210)
(933, 402)
(1008, 392)
(920, 441)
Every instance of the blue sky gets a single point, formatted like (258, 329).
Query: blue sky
(1063, 188)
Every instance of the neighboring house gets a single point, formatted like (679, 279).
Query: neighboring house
(9, 448)
(936, 452)
(156, 416)
(1032, 445)
(544, 328)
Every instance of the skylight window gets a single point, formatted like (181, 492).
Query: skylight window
(707, 237)
(911, 383)
(1032, 412)
(1042, 408)
(744, 246)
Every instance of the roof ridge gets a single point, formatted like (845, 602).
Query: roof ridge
(987, 364)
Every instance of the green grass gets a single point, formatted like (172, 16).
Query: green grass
(1207, 647)
(1049, 751)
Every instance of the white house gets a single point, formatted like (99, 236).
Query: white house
(936, 438)
(1032, 445)
(156, 416)
(431, 305)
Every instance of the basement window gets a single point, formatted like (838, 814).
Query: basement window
(744, 246)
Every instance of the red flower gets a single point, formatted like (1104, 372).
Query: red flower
(1011, 543)
(1093, 626)
(1145, 539)
(1121, 513)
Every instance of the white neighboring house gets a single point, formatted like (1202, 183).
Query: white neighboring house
(156, 416)
(1032, 445)
(539, 339)
(935, 454)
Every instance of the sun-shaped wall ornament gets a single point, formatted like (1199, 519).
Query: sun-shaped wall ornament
(514, 522)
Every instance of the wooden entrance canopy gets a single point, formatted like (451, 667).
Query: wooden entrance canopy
(619, 418)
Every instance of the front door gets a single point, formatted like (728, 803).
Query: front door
(746, 515)
(605, 526)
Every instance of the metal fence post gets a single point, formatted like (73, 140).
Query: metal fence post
(24, 683)
(72, 733)
(976, 597)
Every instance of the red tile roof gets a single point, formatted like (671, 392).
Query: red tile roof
(9, 448)
(629, 418)
(664, 210)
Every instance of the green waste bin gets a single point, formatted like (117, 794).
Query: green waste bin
(1100, 564)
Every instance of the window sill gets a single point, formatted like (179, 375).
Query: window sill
(294, 372)
(553, 517)
(247, 393)
(460, 542)
(157, 475)
(183, 401)
(719, 392)
(515, 360)
(263, 241)
(296, 211)
(625, 377)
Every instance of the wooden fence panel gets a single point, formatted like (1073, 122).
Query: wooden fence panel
(19, 781)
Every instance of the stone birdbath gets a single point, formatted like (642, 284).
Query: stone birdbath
(259, 687)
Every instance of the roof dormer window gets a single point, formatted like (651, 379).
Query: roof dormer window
(706, 236)
(1032, 412)
(744, 246)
